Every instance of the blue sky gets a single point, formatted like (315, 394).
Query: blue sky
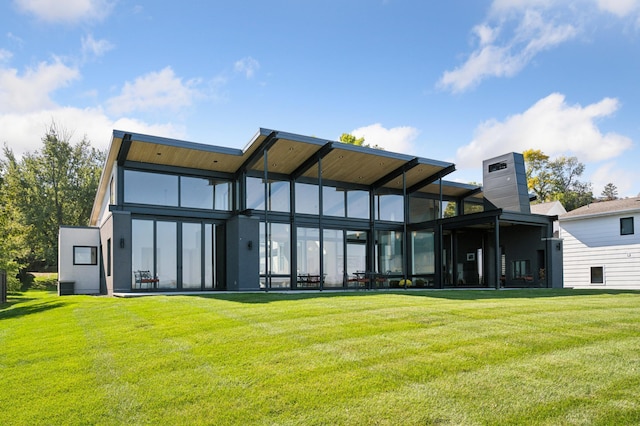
(460, 81)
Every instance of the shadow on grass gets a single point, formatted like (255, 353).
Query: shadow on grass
(484, 294)
(8, 311)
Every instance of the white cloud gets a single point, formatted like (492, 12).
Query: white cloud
(619, 8)
(72, 11)
(515, 31)
(93, 47)
(396, 139)
(552, 126)
(505, 58)
(31, 91)
(24, 132)
(610, 172)
(247, 66)
(162, 89)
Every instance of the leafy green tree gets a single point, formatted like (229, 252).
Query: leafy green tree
(46, 189)
(539, 177)
(557, 179)
(352, 140)
(610, 192)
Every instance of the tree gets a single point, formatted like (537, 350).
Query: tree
(539, 177)
(352, 140)
(557, 179)
(46, 189)
(610, 192)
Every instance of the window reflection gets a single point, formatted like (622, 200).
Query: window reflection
(389, 252)
(278, 193)
(358, 204)
(150, 188)
(307, 198)
(333, 201)
(390, 207)
(196, 192)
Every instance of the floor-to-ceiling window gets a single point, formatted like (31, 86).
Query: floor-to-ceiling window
(176, 255)
(308, 256)
(142, 250)
(167, 254)
(423, 258)
(389, 254)
(333, 257)
(192, 255)
(356, 258)
(279, 256)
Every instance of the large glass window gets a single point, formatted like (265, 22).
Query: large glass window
(423, 209)
(423, 252)
(307, 198)
(222, 195)
(196, 192)
(308, 250)
(141, 249)
(166, 254)
(209, 255)
(390, 207)
(333, 259)
(150, 188)
(389, 252)
(191, 255)
(333, 201)
(358, 204)
(278, 193)
(356, 255)
(279, 255)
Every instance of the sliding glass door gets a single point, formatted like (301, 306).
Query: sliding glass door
(174, 255)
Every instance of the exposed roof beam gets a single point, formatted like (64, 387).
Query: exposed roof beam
(124, 149)
(312, 160)
(434, 177)
(395, 173)
(259, 151)
(471, 193)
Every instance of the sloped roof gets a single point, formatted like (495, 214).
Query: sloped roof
(553, 208)
(603, 208)
(292, 155)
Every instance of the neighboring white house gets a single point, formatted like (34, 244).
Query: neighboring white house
(601, 245)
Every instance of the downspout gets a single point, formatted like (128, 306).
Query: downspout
(267, 241)
(498, 254)
(320, 229)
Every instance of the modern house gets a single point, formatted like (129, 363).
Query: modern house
(601, 245)
(297, 212)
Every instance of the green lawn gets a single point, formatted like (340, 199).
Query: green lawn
(431, 357)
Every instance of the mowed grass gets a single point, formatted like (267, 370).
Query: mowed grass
(442, 357)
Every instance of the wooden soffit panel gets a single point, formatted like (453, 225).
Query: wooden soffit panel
(285, 156)
(153, 153)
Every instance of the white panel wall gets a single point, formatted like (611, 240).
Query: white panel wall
(596, 241)
(85, 277)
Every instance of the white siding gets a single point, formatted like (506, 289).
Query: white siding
(86, 278)
(596, 241)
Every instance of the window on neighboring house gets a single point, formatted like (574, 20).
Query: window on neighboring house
(597, 275)
(626, 226)
(84, 255)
